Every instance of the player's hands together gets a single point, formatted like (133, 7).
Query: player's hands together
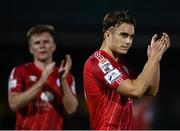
(157, 47)
(65, 67)
(46, 72)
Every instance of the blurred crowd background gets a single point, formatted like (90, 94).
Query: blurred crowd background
(78, 27)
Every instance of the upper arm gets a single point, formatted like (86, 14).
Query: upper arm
(107, 73)
(15, 85)
(11, 96)
(15, 82)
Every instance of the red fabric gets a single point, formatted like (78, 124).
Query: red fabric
(142, 114)
(38, 114)
(108, 109)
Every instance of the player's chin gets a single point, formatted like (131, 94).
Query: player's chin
(124, 52)
(43, 58)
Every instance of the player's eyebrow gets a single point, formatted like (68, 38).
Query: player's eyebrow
(125, 34)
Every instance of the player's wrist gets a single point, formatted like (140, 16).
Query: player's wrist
(153, 61)
(41, 82)
(63, 81)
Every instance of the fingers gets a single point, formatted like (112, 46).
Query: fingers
(164, 39)
(154, 37)
(162, 47)
(68, 61)
(148, 50)
(65, 66)
(167, 40)
(47, 71)
(158, 46)
(62, 64)
(68, 58)
(153, 40)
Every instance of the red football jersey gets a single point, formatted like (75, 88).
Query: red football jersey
(108, 109)
(44, 112)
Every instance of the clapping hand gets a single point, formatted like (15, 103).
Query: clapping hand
(158, 46)
(65, 67)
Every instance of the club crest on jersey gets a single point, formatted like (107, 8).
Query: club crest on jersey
(112, 76)
(32, 78)
(105, 66)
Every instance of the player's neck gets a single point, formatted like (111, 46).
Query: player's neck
(105, 48)
(42, 64)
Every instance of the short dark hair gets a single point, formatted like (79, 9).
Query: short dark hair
(38, 29)
(115, 18)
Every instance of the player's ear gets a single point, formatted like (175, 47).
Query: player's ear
(30, 49)
(54, 47)
(107, 34)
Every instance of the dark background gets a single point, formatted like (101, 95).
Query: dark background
(78, 26)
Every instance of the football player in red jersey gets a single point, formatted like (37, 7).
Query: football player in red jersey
(38, 91)
(109, 87)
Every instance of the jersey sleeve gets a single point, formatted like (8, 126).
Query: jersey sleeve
(107, 73)
(72, 84)
(15, 82)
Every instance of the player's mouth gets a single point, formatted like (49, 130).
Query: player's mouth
(124, 48)
(43, 52)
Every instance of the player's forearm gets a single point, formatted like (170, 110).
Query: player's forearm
(69, 100)
(143, 81)
(154, 84)
(20, 99)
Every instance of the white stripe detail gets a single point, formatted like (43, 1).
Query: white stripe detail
(112, 114)
(99, 56)
(121, 119)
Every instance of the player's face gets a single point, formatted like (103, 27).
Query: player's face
(42, 46)
(121, 38)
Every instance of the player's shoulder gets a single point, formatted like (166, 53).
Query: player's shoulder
(23, 67)
(99, 55)
(94, 58)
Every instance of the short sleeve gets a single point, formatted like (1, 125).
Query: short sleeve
(72, 84)
(15, 82)
(107, 73)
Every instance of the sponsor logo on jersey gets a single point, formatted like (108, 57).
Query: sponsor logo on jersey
(105, 66)
(112, 76)
(32, 78)
(47, 96)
